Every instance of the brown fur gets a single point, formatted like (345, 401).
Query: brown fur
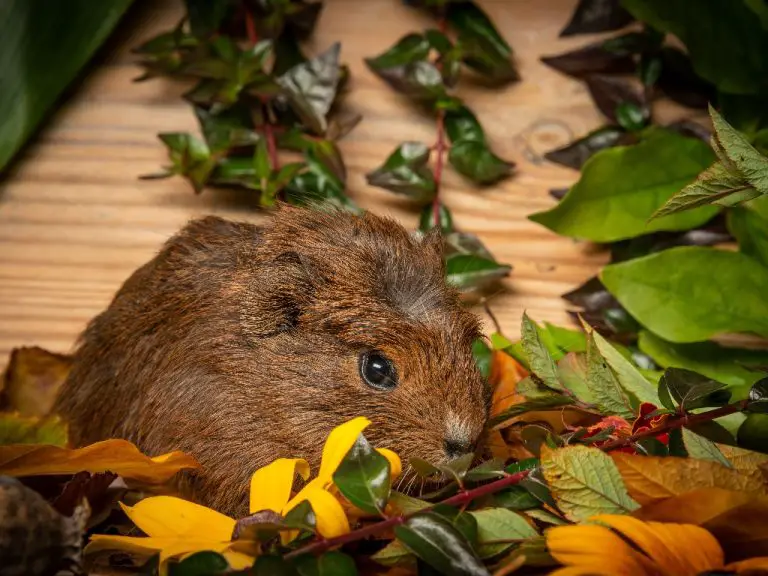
(240, 344)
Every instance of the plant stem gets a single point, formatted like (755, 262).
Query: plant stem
(440, 144)
(463, 497)
(676, 422)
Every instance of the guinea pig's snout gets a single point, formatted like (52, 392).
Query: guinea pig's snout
(456, 448)
(460, 438)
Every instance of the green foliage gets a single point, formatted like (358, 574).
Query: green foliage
(363, 477)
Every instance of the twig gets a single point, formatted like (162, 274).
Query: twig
(492, 316)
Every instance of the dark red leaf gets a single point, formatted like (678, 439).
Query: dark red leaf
(608, 92)
(680, 83)
(597, 16)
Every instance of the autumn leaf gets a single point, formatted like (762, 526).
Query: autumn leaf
(652, 478)
(742, 459)
(32, 380)
(506, 372)
(118, 456)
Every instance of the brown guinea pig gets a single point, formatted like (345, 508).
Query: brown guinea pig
(240, 344)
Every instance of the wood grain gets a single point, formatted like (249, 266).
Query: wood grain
(75, 221)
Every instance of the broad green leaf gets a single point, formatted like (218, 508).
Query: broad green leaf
(689, 294)
(753, 433)
(572, 372)
(516, 498)
(200, 564)
(271, 565)
(476, 161)
(546, 517)
(464, 522)
(703, 449)
(467, 271)
(406, 171)
(749, 225)
(539, 359)
(758, 396)
(490, 469)
(585, 482)
(435, 540)
(629, 377)
(708, 33)
(727, 365)
(363, 477)
(43, 46)
(730, 144)
(395, 554)
(621, 187)
(543, 404)
(444, 220)
(483, 357)
(410, 48)
(502, 524)
(405, 68)
(17, 429)
(311, 88)
(604, 384)
(331, 563)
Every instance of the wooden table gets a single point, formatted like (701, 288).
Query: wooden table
(75, 220)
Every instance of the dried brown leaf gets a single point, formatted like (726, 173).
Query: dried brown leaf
(32, 380)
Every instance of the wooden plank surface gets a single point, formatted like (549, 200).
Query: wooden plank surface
(75, 221)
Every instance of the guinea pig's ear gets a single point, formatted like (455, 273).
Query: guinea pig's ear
(277, 294)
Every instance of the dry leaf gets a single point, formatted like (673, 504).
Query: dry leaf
(736, 519)
(743, 459)
(652, 478)
(32, 380)
(506, 372)
(118, 456)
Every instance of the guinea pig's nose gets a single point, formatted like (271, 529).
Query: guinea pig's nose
(457, 448)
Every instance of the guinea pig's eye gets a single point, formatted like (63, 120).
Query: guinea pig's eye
(377, 370)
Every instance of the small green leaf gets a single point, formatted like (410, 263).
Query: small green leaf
(585, 482)
(318, 185)
(190, 157)
(488, 470)
(464, 243)
(404, 67)
(407, 504)
(406, 171)
(699, 447)
(464, 522)
(604, 385)
(200, 564)
(227, 129)
(262, 165)
(444, 219)
(539, 359)
(692, 305)
(435, 540)
(475, 160)
(758, 397)
(631, 117)
(546, 517)
(410, 48)
(691, 390)
(502, 524)
(363, 477)
(621, 187)
(516, 498)
(753, 433)
(466, 271)
(301, 517)
(395, 554)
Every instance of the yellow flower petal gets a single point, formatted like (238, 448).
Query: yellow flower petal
(339, 442)
(238, 560)
(395, 466)
(676, 548)
(271, 485)
(168, 516)
(329, 513)
(597, 550)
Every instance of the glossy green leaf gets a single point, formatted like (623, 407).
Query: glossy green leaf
(466, 271)
(43, 46)
(465, 243)
(539, 359)
(444, 220)
(407, 71)
(363, 477)
(592, 16)
(710, 292)
(483, 357)
(604, 384)
(690, 390)
(464, 522)
(477, 162)
(699, 447)
(318, 185)
(631, 117)
(189, 157)
(753, 433)
(516, 498)
(758, 396)
(585, 482)
(331, 563)
(200, 564)
(410, 48)
(227, 129)
(406, 171)
(621, 187)
(435, 540)
(311, 88)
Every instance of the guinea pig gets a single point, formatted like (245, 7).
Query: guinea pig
(241, 344)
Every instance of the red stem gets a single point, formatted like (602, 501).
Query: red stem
(440, 148)
(250, 27)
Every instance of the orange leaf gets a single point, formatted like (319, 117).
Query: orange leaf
(118, 456)
(736, 519)
(506, 372)
(32, 380)
(652, 478)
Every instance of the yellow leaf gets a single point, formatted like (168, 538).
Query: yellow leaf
(329, 513)
(18, 429)
(166, 516)
(743, 459)
(339, 442)
(506, 372)
(752, 566)
(675, 548)
(735, 519)
(395, 465)
(33, 379)
(596, 550)
(652, 478)
(118, 456)
(271, 485)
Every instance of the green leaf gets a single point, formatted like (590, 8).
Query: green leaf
(753, 433)
(404, 68)
(585, 482)
(575, 154)
(502, 524)
(749, 225)
(483, 48)
(703, 449)
(475, 160)
(318, 185)
(444, 219)
(621, 187)
(262, 165)
(631, 117)
(226, 129)
(43, 48)
(758, 396)
(16, 429)
(462, 124)
(546, 517)
(406, 171)
(205, 16)
(708, 33)
(407, 504)
(331, 563)
(488, 470)
(395, 554)
(543, 404)
(464, 243)
(464, 522)
(516, 498)
(410, 48)
(190, 158)
(270, 565)
(200, 564)
(311, 88)
(572, 372)
(483, 357)
(539, 359)
(727, 365)
(604, 385)
(629, 377)
(363, 477)
(466, 271)
(434, 539)
(692, 304)
(691, 391)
